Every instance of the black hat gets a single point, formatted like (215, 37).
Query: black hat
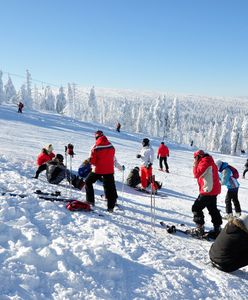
(60, 157)
(162, 143)
(145, 142)
(98, 133)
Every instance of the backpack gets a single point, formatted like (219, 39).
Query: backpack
(76, 205)
(235, 173)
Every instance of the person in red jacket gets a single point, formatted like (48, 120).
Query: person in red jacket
(206, 173)
(45, 155)
(102, 159)
(163, 153)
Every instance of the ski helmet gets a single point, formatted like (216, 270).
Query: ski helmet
(199, 153)
(145, 142)
(98, 133)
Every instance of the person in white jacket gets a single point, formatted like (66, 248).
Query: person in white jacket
(147, 156)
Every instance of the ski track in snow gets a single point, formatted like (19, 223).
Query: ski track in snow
(47, 252)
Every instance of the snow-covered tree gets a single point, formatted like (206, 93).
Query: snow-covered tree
(225, 142)
(61, 101)
(92, 114)
(28, 97)
(10, 91)
(245, 134)
(214, 140)
(235, 136)
(48, 101)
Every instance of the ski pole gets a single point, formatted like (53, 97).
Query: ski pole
(122, 189)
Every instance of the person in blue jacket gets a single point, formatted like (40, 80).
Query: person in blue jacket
(232, 184)
(84, 169)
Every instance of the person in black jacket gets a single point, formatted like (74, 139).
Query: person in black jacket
(56, 172)
(133, 178)
(246, 169)
(229, 252)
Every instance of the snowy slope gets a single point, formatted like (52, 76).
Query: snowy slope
(47, 252)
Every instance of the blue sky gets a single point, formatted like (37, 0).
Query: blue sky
(180, 46)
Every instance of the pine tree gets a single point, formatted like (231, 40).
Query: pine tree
(235, 136)
(245, 134)
(10, 91)
(61, 101)
(225, 142)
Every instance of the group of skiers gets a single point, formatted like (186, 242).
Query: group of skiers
(210, 175)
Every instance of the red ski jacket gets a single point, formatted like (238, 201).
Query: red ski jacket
(163, 151)
(207, 176)
(102, 156)
(44, 157)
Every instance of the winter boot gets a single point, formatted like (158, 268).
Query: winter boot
(212, 234)
(228, 216)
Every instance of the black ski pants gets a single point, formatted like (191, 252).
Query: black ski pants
(108, 186)
(210, 202)
(161, 160)
(232, 196)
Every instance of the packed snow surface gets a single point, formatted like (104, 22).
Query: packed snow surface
(48, 252)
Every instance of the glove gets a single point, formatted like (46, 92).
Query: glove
(157, 157)
(138, 156)
(123, 168)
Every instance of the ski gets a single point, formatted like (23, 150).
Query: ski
(172, 229)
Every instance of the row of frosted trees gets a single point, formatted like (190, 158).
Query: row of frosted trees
(212, 124)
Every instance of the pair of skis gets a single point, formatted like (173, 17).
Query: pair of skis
(173, 229)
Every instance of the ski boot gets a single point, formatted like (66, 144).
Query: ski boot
(198, 231)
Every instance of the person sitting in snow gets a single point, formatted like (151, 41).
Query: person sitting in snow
(84, 168)
(229, 251)
(56, 172)
(232, 184)
(133, 179)
(45, 155)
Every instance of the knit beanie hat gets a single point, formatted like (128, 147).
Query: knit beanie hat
(244, 219)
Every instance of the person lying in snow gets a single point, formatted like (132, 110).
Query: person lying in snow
(229, 252)
(56, 172)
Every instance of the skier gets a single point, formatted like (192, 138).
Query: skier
(56, 172)
(206, 173)
(20, 107)
(232, 184)
(246, 169)
(229, 251)
(163, 153)
(45, 155)
(147, 156)
(118, 127)
(84, 168)
(102, 159)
